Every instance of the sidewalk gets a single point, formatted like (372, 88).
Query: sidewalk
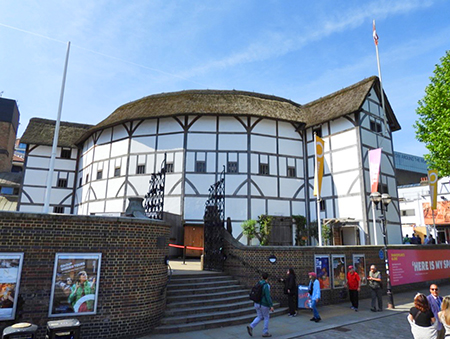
(337, 316)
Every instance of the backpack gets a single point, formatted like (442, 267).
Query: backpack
(257, 292)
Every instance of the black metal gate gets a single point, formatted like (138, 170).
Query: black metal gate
(214, 223)
(154, 199)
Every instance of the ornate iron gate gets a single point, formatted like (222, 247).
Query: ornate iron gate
(214, 223)
(154, 199)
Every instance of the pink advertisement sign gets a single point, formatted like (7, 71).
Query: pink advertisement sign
(410, 266)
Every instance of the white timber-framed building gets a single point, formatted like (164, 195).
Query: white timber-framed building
(265, 143)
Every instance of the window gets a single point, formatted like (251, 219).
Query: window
(61, 183)
(318, 131)
(80, 183)
(383, 188)
(66, 153)
(291, 173)
(58, 209)
(99, 174)
(232, 167)
(375, 126)
(169, 167)
(117, 172)
(408, 213)
(264, 169)
(200, 166)
(6, 190)
(87, 178)
(322, 205)
(140, 169)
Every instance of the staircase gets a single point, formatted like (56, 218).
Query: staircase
(209, 300)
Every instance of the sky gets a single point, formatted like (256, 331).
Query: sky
(300, 50)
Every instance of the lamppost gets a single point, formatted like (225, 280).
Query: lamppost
(385, 200)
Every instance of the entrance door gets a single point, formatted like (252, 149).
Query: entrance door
(193, 236)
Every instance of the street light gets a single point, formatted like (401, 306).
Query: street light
(385, 200)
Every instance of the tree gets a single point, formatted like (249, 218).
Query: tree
(433, 125)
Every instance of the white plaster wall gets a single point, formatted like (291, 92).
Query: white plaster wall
(205, 123)
(35, 177)
(349, 207)
(201, 141)
(290, 147)
(258, 208)
(170, 142)
(341, 124)
(105, 137)
(287, 130)
(243, 163)
(289, 186)
(31, 208)
(343, 181)
(232, 182)
(278, 207)
(140, 183)
(119, 148)
(263, 144)
(344, 139)
(236, 208)
(202, 182)
(172, 204)
(230, 124)
(36, 194)
(346, 159)
(173, 184)
(146, 127)
(58, 196)
(298, 208)
(273, 165)
(232, 142)
(99, 188)
(268, 185)
(114, 185)
(265, 126)
(43, 151)
(194, 208)
(119, 132)
(65, 164)
(37, 162)
(143, 144)
(169, 125)
(113, 206)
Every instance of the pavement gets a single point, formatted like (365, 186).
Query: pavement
(338, 320)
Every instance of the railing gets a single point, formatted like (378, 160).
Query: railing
(184, 247)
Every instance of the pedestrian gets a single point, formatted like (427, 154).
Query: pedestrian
(354, 286)
(314, 294)
(444, 316)
(290, 288)
(435, 301)
(263, 308)
(414, 239)
(375, 285)
(421, 318)
(406, 240)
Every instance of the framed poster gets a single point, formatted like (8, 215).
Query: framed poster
(359, 262)
(75, 284)
(10, 271)
(339, 271)
(322, 269)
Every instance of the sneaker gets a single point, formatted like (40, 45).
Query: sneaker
(356, 310)
(380, 310)
(373, 310)
(295, 314)
(312, 319)
(318, 319)
(250, 331)
(266, 335)
(352, 308)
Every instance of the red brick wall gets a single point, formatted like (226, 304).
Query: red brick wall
(132, 276)
(243, 261)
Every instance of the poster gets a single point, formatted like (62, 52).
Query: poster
(322, 269)
(75, 284)
(359, 262)
(338, 265)
(304, 301)
(410, 266)
(10, 271)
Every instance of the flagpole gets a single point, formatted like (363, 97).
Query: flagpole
(55, 137)
(375, 38)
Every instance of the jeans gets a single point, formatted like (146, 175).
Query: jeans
(262, 313)
(314, 308)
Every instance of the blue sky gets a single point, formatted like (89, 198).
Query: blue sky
(300, 50)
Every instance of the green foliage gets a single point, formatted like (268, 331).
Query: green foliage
(249, 229)
(258, 229)
(327, 234)
(433, 125)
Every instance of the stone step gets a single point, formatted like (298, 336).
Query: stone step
(183, 279)
(211, 315)
(188, 292)
(208, 296)
(201, 284)
(212, 307)
(183, 303)
(201, 325)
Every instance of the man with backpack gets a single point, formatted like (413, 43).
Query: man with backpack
(260, 294)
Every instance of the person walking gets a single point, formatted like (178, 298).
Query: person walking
(374, 280)
(314, 294)
(354, 286)
(435, 301)
(444, 316)
(263, 308)
(290, 288)
(421, 319)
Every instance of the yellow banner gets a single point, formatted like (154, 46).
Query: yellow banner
(319, 147)
(432, 181)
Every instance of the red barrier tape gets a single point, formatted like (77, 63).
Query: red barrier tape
(187, 247)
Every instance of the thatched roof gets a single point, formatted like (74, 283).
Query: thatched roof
(10, 179)
(41, 131)
(209, 102)
(346, 101)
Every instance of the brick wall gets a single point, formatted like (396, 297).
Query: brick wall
(132, 276)
(243, 261)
